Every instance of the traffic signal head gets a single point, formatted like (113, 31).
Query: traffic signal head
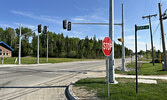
(45, 30)
(69, 26)
(64, 24)
(39, 28)
(120, 39)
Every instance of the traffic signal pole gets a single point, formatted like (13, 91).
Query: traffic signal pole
(111, 35)
(120, 24)
(38, 50)
(19, 62)
(123, 47)
(39, 31)
(47, 48)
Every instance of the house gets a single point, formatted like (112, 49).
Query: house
(5, 50)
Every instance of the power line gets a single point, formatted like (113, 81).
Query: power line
(156, 29)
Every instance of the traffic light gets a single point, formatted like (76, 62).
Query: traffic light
(45, 30)
(39, 28)
(69, 26)
(64, 24)
(120, 39)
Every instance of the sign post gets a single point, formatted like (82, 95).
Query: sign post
(107, 48)
(138, 28)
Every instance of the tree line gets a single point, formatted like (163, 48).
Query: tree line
(59, 45)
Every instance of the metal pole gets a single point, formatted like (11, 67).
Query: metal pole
(120, 24)
(111, 35)
(163, 39)
(38, 50)
(20, 46)
(151, 41)
(108, 84)
(123, 47)
(107, 66)
(131, 59)
(136, 57)
(47, 49)
(146, 52)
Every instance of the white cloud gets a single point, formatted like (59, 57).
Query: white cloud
(89, 18)
(130, 43)
(78, 19)
(130, 37)
(5, 25)
(26, 25)
(77, 33)
(40, 17)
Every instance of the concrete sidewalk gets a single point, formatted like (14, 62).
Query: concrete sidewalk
(163, 77)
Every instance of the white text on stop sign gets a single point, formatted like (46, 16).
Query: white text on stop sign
(107, 46)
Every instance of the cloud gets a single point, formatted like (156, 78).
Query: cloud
(96, 15)
(5, 25)
(89, 18)
(130, 42)
(78, 33)
(40, 17)
(26, 25)
(78, 19)
(130, 37)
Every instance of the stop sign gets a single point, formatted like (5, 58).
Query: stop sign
(107, 46)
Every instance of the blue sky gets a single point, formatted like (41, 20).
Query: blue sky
(30, 13)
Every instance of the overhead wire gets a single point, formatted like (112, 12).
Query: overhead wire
(156, 29)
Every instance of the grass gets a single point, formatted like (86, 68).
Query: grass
(125, 89)
(144, 59)
(33, 60)
(145, 69)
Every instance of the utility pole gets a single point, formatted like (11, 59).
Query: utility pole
(111, 35)
(20, 46)
(123, 47)
(149, 17)
(162, 35)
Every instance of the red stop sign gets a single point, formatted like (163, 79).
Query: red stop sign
(107, 46)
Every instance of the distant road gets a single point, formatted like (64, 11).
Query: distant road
(46, 81)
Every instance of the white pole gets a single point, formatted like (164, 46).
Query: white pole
(47, 48)
(38, 50)
(20, 47)
(111, 35)
(123, 47)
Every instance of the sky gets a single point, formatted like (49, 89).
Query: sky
(50, 13)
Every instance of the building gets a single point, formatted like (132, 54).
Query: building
(5, 50)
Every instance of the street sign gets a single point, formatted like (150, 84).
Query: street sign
(107, 46)
(142, 27)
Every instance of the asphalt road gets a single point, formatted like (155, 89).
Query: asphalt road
(46, 81)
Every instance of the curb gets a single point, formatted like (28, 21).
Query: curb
(17, 65)
(69, 93)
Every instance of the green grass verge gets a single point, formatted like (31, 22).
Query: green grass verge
(145, 69)
(144, 59)
(125, 89)
(33, 60)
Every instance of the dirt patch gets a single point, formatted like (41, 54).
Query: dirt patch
(83, 94)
